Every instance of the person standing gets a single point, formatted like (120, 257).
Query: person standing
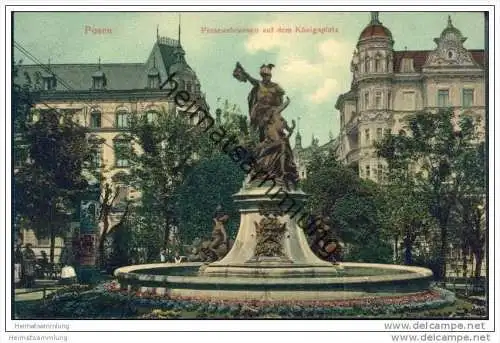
(163, 256)
(45, 267)
(18, 262)
(29, 261)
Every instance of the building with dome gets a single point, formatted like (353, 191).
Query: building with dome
(101, 96)
(387, 85)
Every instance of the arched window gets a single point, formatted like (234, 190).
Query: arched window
(367, 65)
(122, 119)
(378, 64)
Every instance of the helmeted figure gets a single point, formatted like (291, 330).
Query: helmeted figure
(273, 152)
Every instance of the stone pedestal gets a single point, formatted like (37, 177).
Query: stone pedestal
(270, 243)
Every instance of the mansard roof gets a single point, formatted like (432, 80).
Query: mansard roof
(78, 77)
(119, 76)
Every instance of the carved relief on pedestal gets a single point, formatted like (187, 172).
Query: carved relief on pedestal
(269, 236)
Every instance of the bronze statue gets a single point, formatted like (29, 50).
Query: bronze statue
(323, 240)
(219, 235)
(219, 244)
(273, 153)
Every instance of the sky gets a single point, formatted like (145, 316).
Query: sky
(313, 69)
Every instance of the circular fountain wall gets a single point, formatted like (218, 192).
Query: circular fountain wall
(354, 280)
(271, 261)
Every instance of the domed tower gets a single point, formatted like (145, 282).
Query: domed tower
(375, 49)
(373, 84)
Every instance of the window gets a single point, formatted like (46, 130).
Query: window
(122, 120)
(380, 172)
(467, 97)
(366, 100)
(367, 170)
(367, 136)
(443, 98)
(49, 83)
(378, 64)
(407, 65)
(367, 65)
(389, 99)
(120, 202)
(188, 87)
(151, 117)
(122, 149)
(96, 161)
(378, 100)
(95, 119)
(99, 81)
(379, 133)
(154, 81)
(387, 132)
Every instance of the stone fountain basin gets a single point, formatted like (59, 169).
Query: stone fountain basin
(353, 280)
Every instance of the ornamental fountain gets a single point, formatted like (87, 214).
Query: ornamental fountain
(270, 259)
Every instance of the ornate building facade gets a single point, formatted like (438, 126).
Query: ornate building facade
(387, 85)
(102, 96)
(303, 155)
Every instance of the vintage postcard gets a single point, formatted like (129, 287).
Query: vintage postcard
(251, 163)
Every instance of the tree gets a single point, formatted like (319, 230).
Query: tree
(405, 215)
(235, 125)
(48, 184)
(22, 103)
(431, 157)
(166, 149)
(122, 244)
(211, 182)
(108, 201)
(336, 191)
(470, 203)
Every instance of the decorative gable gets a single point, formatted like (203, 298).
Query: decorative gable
(450, 50)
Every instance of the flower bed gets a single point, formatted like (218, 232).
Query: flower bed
(108, 301)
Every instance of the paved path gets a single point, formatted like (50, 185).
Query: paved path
(37, 292)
